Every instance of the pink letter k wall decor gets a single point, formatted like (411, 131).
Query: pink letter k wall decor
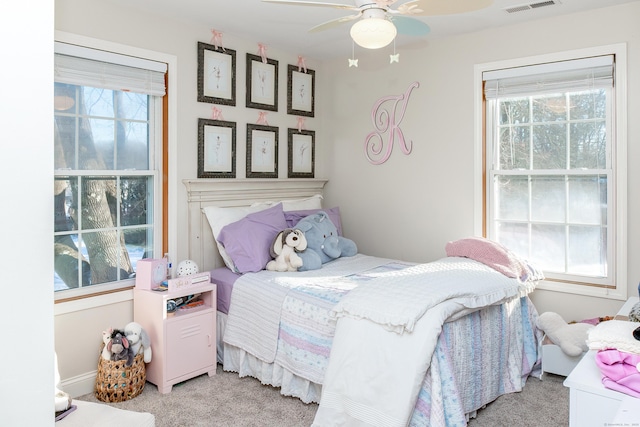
(387, 121)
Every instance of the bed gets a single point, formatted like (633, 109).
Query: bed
(351, 336)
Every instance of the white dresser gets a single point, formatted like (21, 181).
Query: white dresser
(591, 404)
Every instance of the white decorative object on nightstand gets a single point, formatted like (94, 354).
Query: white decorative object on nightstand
(183, 343)
(591, 403)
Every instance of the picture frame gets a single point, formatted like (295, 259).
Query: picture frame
(216, 149)
(301, 91)
(216, 74)
(262, 151)
(262, 83)
(301, 153)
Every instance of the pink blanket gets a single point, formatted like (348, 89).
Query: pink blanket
(495, 256)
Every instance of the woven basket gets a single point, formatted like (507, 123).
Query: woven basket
(117, 382)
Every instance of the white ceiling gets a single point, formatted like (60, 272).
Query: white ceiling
(286, 26)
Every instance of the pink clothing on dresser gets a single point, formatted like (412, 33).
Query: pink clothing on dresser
(620, 371)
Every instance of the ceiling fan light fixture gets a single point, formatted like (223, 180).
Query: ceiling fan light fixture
(373, 33)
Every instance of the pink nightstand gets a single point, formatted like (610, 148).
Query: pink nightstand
(183, 344)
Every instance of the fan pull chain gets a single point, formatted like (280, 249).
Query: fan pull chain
(353, 62)
(394, 57)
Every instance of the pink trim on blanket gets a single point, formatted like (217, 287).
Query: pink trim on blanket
(493, 255)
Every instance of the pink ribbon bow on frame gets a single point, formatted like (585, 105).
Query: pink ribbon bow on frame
(262, 118)
(216, 39)
(301, 64)
(262, 51)
(300, 124)
(216, 113)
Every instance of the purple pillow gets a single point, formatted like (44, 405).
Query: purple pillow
(293, 217)
(248, 240)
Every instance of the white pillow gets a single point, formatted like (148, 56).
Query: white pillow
(313, 202)
(218, 217)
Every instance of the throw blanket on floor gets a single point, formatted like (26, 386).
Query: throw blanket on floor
(361, 387)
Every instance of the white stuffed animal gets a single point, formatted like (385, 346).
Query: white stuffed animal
(284, 248)
(138, 340)
(106, 339)
(570, 337)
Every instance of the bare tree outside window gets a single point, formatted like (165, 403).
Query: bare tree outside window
(103, 187)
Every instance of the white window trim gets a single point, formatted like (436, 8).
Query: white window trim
(619, 159)
(172, 76)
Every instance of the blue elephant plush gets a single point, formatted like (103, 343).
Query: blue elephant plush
(323, 242)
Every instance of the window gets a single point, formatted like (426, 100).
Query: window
(553, 172)
(107, 185)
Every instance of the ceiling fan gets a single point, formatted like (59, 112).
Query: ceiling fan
(379, 24)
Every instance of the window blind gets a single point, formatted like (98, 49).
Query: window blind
(574, 75)
(90, 67)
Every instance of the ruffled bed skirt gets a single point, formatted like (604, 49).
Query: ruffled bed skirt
(234, 359)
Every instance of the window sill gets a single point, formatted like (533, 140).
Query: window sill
(591, 291)
(89, 302)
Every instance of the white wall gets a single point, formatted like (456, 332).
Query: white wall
(411, 206)
(78, 352)
(26, 175)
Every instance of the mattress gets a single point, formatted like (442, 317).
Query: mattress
(224, 280)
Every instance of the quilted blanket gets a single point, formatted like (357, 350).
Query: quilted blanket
(361, 387)
(306, 327)
(258, 298)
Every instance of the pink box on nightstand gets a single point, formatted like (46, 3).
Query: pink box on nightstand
(150, 273)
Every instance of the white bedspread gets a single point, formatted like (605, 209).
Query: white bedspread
(374, 376)
(398, 300)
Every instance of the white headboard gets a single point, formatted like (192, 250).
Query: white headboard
(232, 193)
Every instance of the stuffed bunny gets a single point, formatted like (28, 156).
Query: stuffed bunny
(106, 339)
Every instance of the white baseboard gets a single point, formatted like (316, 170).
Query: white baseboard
(80, 385)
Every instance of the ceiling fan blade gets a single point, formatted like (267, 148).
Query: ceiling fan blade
(333, 23)
(312, 3)
(410, 26)
(442, 7)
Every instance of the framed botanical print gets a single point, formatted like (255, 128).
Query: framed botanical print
(216, 75)
(216, 149)
(262, 83)
(302, 148)
(301, 87)
(262, 151)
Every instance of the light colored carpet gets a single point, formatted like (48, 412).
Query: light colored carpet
(227, 400)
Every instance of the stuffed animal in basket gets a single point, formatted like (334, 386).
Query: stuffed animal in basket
(323, 242)
(106, 339)
(284, 249)
(120, 348)
(138, 340)
(570, 337)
